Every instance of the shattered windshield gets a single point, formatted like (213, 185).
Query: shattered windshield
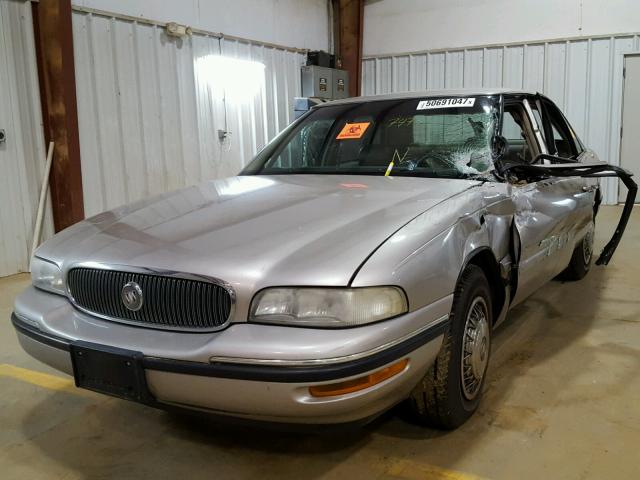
(435, 137)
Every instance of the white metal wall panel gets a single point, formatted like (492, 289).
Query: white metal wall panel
(150, 107)
(436, 71)
(369, 72)
(418, 79)
(454, 70)
(254, 121)
(22, 156)
(383, 75)
(533, 71)
(492, 68)
(582, 75)
(401, 74)
(554, 78)
(473, 64)
(512, 69)
(208, 111)
(577, 81)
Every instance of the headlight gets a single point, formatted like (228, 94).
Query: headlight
(327, 307)
(47, 276)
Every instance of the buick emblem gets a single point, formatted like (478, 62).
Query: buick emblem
(132, 296)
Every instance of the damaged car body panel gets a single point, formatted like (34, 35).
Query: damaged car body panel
(550, 210)
(373, 240)
(552, 216)
(427, 255)
(567, 168)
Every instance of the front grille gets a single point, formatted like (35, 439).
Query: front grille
(169, 302)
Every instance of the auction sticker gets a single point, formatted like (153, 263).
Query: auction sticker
(446, 103)
(353, 130)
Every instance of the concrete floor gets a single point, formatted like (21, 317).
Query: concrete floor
(562, 401)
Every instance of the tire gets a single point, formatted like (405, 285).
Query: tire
(443, 398)
(581, 259)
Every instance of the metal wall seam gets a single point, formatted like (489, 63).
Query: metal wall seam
(583, 75)
(150, 106)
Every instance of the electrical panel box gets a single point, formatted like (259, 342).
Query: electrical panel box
(340, 84)
(317, 82)
(324, 82)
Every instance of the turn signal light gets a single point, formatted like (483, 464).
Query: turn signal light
(360, 383)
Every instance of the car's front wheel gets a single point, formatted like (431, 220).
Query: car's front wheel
(580, 263)
(450, 391)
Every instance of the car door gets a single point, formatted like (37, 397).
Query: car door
(551, 214)
(576, 210)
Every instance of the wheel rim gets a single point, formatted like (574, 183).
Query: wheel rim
(587, 247)
(475, 348)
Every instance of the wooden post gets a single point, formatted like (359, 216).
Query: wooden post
(348, 24)
(56, 71)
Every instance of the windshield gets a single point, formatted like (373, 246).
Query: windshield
(435, 137)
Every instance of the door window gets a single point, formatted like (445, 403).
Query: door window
(517, 130)
(563, 143)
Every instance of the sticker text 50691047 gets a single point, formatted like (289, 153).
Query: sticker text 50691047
(446, 103)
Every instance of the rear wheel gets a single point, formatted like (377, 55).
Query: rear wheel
(580, 263)
(450, 391)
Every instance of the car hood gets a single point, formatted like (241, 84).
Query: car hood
(256, 231)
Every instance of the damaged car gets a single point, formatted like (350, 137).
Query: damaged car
(363, 259)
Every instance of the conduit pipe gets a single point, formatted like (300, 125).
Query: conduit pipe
(43, 200)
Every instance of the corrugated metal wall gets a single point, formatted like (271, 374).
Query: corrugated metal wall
(583, 76)
(22, 155)
(150, 106)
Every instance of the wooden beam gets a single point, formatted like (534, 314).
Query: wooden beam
(348, 21)
(56, 71)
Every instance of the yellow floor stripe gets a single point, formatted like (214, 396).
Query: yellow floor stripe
(402, 468)
(410, 470)
(44, 380)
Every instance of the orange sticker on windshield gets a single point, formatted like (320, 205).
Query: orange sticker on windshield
(353, 130)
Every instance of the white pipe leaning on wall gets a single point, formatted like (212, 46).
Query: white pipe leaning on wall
(43, 200)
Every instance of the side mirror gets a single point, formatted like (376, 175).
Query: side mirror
(499, 146)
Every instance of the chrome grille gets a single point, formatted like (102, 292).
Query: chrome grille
(169, 302)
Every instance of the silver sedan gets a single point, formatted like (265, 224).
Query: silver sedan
(361, 260)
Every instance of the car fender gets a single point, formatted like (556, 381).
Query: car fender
(428, 254)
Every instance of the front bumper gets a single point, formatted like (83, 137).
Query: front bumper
(253, 388)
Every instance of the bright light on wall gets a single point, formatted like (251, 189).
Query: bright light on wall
(238, 80)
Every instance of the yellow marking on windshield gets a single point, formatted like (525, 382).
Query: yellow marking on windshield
(389, 168)
(393, 158)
